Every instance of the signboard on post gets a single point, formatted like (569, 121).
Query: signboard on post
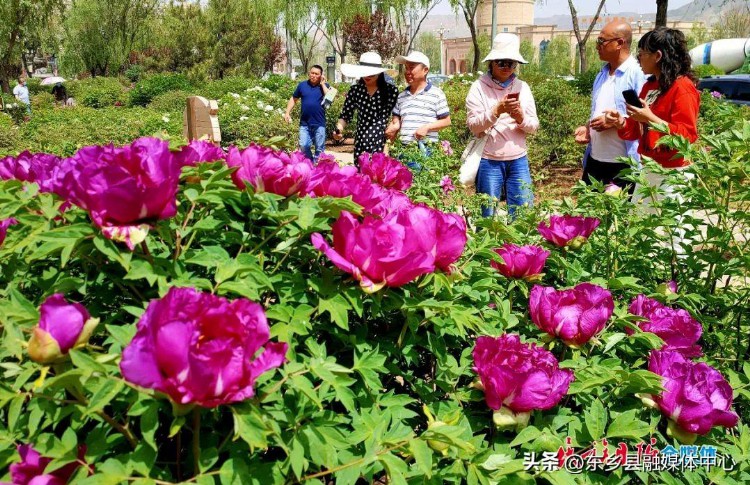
(331, 71)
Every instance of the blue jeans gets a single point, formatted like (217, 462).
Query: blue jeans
(511, 176)
(309, 135)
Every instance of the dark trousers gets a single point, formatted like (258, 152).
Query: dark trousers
(606, 173)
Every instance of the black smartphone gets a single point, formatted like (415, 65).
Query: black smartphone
(631, 97)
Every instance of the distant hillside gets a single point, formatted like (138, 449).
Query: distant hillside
(706, 11)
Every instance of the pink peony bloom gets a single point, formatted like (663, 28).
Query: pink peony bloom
(4, 225)
(328, 178)
(268, 170)
(696, 396)
(445, 145)
(679, 330)
(385, 171)
(451, 239)
(62, 326)
(202, 349)
(575, 315)
(380, 252)
(199, 151)
(613, 190)
(567, 230)
(41, 168)
(521, 377)
(124, 187)
(447, 185)
(30, 470)
(522, 262)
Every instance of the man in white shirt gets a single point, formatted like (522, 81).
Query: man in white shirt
(621, 72)
(21, 92)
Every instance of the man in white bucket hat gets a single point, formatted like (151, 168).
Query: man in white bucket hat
(421, 109)
(373, 98)
(501, 109)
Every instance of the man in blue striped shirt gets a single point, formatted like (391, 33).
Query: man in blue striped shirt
(421, 109)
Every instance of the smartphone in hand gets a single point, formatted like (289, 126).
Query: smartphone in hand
(513, 96)
(631, 97)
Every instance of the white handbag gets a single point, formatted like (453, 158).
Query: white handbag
(470, 161)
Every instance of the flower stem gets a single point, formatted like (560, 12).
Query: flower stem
(196, 440)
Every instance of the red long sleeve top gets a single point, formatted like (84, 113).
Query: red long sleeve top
(679, 108)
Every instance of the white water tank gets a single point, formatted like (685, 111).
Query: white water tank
(726, 54)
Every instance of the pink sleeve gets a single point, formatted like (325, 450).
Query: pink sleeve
(479, 117)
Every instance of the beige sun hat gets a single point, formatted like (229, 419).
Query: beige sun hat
(506, 46)
(369, 64)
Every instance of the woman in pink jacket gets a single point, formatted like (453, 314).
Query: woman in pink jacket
(501, 107)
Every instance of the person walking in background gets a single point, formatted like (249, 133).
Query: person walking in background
(500, 106)
(421, 109)
(373, 98)
(620, 72)
(669, 97)
(21, 93)
(312, 125)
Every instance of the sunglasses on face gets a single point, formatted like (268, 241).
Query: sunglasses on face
(506, 63)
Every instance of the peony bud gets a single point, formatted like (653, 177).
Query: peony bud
(62, 326)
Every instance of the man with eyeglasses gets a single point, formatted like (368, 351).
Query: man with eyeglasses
(620, 73)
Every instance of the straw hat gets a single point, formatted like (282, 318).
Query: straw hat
(369, 64)
(506, 46)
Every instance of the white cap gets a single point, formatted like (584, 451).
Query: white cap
(414, 56)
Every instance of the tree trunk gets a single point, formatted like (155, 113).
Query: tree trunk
(5, 85)
(474, 38)
(583, 62)
(661, 13)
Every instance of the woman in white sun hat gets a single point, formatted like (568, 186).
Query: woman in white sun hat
(501, 107)
(373, 99)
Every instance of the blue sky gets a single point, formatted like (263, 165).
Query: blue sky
(584, 7)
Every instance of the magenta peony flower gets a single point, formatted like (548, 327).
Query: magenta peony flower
(451, 239)
(4, 225)
(385, 171)
(62, 326)
(522, 262)
(199, 151)
(573, 315)
(566, 230)
(380, 252)
(30, 470)
(679, 330)
(268, 170)
(202, 349)
(447, 185)
(696, 396)
(124, 187)
(41, 168)
(716, 94)
(521, 377)
(380, 201)
(445, 145)
(328, 178)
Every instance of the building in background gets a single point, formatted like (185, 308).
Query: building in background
(517, 16)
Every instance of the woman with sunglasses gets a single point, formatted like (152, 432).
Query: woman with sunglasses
(501, 107)
(668, 97)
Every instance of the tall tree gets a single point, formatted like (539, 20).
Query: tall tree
(373, 33)
(469, 9)
(17, 19)
(409, 17)
(661, 13)
(101, 34)
(581, 41)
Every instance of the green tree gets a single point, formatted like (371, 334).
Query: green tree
(583, 39)
(101, 34)
(19, 19)
(469, 9)
(485, 44)
(557, 60)
(429, 44)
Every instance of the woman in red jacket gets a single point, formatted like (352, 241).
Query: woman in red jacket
(669, 97)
